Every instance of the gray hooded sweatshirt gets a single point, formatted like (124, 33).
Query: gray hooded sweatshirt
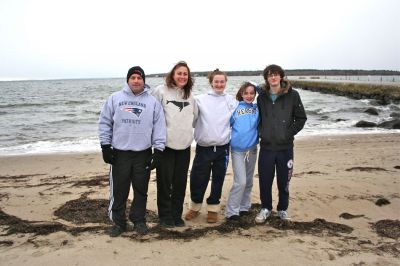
(132, 122)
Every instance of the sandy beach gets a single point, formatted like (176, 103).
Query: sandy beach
(344, 204)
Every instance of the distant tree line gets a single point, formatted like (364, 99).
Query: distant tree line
(302, 72)
(340, 72)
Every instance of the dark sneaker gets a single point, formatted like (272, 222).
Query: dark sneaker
(244, 213)
(141, 228)
(167, 223)
(115, 231)
(233, 218)
(179, 222)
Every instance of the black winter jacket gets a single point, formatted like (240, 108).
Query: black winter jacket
(281, 120)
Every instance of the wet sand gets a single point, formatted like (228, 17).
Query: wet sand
(344, 204)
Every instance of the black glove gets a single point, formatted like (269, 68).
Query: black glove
(108, 154)
(155, 159)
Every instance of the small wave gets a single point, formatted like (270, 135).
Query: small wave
(70, 115)
(3, 113)
(77, 145)
(314, 112)
(64, 121)
(394, 107)
(5, 106)
(9, 140)
(354, 109)
(73, 121)
(28, 128)
(91, 112)
(322, 112)
(76, 102)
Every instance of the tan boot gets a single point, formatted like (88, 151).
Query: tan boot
(190, 215)
(212, 217)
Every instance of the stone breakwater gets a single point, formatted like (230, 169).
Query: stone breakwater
(384, 94)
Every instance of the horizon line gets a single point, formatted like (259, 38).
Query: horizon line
(396, 72)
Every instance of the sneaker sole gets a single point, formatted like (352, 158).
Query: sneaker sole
(284, 219)
(260, 221)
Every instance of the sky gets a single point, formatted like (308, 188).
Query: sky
(51, 39)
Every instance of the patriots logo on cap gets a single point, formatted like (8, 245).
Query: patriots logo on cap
(136, 111)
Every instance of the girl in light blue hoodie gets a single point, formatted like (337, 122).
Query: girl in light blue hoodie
(244, 140)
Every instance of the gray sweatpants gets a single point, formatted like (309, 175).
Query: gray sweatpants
(243, 164)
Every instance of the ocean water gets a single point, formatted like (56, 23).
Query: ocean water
(61, 115)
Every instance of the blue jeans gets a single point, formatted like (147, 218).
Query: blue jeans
(208, 160)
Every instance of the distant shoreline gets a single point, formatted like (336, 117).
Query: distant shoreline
(289, 72)
(301, 72)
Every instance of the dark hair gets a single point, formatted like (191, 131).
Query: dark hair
(211, 75)
(246, 84)
(273, 69)
(169, 79)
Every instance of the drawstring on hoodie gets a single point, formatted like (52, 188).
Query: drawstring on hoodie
(215, 148)
(246, 156)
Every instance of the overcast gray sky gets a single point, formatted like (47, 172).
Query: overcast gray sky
(94, 38)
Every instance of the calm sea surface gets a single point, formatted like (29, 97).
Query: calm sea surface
(61, 115)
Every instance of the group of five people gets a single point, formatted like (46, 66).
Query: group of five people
(142, 129)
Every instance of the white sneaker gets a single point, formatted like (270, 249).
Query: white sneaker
(284, 215)
(262, 216)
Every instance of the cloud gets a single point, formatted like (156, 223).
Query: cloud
(61, 39)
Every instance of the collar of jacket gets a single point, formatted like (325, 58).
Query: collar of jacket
(213, 93)
(285, 87)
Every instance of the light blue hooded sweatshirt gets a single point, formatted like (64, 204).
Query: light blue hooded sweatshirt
(132, 122)
(244, 122)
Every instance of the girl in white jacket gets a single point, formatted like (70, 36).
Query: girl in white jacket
(212, 134)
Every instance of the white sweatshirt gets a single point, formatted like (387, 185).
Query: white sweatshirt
(213, 122)
(180, 115)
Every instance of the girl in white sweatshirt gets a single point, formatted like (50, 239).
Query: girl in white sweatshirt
(212, 134)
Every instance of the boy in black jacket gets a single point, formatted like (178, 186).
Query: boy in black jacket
(282, 116)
